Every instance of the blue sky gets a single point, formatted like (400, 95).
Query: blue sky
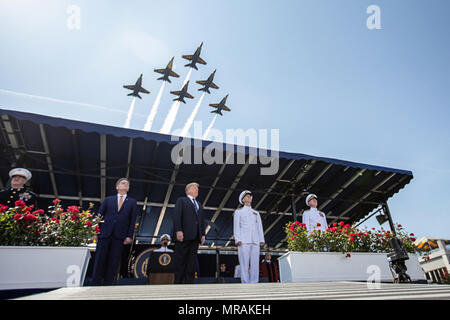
(312, 69)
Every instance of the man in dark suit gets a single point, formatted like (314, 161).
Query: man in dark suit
(189, 228)
(116, 230)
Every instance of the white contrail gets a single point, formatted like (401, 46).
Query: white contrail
(172, 115)
(170, 119)
(205, 135)
(60, 100)
(130, 113)
(187, 76)
(151, 116)
(191, 118)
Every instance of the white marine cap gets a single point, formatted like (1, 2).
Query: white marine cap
(164, 236)
(309, 197)
(242, 195)
(20, 172)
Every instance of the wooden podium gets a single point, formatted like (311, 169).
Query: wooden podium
(160, 269)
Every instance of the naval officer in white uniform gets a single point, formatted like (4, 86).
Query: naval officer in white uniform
(249, 237)
(312, 217)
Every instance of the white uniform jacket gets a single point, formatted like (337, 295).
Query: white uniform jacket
(312, 217)
(247, 226)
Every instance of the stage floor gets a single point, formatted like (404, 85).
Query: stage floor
(258, 291)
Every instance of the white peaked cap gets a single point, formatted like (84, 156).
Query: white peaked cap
(164, 236)
(20, 172)
(309, 197)
(242, 195)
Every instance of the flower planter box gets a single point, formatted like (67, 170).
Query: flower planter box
(42, 267)
(334, 266)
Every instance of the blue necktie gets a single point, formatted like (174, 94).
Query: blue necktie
(195, 205)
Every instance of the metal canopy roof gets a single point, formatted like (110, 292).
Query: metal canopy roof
(79, 162)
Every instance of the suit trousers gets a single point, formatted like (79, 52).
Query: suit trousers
(108, 255)
(248, 254)
(185, 260)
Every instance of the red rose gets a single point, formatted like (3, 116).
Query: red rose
(411, 234)
(292, 238)
(20, 203)
(39, 211)
(334, 224)
(29, 217)
(399, 225)
(74, 209)
(74, 217)
(3, 208)
(292, 227)
(348, 255)
(318, 224)
(97, 229)
(56, 201)
(17, 216)
(347, 226)
(341, 223)
(413, 239)
(352, 239)
(90, 224)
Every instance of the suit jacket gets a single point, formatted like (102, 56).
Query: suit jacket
(187, 220)
(119, 224)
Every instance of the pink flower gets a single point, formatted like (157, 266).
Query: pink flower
(334, 224)
(17, 216)
(56, 201)
(292, 238)
(341, 223)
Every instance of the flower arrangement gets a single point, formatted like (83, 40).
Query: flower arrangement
(23, 226)
(341, 237)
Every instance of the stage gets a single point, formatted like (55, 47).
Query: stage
(257, 291)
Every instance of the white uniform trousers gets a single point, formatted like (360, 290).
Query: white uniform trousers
(248, 254)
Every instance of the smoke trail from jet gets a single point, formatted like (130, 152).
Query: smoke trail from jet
(130, 113)
(191, 118)
(172, 115)
(205, 135)
(50, 99)
(151, 116)
(187, 76)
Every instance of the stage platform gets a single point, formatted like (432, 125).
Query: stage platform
(258, 291)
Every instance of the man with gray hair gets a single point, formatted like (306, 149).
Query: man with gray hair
(189, 227)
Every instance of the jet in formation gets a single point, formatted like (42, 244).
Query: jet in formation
(208, 83)
(220, 106)
(137, 88)
(167, 72)
(182, 94)
(195, 58)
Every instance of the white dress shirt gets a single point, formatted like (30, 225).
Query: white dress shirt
(118, 198)
(193, 200)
